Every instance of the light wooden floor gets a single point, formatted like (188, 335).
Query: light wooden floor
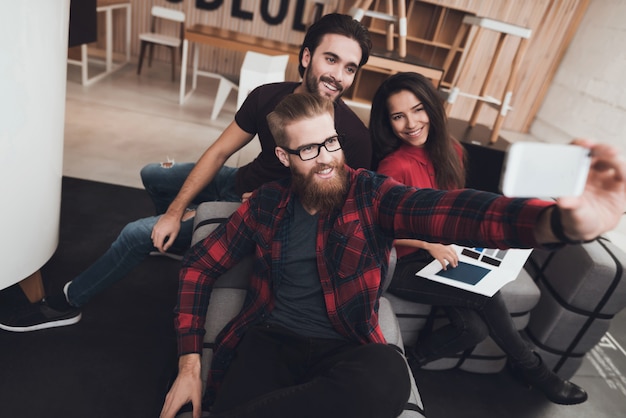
(116, 126)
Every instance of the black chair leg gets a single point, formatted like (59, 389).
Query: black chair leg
(173, 51)
(141, 53)
(150, 55)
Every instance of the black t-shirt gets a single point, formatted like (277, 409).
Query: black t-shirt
(251, 117)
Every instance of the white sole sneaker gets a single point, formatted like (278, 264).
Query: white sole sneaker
(39, 316)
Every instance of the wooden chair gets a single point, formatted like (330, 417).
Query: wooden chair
(361, 8)
(503, 105)
(159, 15)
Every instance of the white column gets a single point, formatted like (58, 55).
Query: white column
(33, 65)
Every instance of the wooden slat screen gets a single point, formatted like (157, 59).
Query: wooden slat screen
(553, 23)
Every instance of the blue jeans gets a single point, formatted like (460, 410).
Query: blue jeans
(163, 184)
(130, 248)
(134, 244)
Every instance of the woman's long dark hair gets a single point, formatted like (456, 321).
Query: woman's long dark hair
(440, 146)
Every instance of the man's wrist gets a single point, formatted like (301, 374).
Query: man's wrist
(189, 363)
(556, 225)
(175, 211)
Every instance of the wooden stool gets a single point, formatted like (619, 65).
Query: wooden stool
(503, 105)
(361, 8)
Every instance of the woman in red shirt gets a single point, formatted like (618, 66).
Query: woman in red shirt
(411, 143)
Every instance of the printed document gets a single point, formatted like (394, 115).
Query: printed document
(480, 270)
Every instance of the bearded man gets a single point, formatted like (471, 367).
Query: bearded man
(307, 342)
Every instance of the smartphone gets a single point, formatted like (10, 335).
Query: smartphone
(537, 169)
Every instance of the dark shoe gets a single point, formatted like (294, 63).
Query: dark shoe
(554, 388)
(58, 302)
(37, 316)
(415, 359)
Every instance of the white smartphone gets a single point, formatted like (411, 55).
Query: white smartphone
(536, 169)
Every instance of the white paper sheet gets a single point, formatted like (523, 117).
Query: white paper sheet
(480, 270)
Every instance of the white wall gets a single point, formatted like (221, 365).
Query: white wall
(587, 97)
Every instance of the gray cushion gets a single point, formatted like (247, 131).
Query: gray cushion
(391, 331)
(588, 276)
(582, 287)
(208, 216)
(520, 296)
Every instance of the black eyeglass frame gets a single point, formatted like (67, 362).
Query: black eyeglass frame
(297, 151)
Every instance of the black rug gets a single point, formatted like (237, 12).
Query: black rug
(119, 359)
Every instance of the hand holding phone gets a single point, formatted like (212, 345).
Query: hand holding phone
(536, 169)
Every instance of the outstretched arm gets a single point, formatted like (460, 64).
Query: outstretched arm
(186, 388)
(598, 209)
(230, 141)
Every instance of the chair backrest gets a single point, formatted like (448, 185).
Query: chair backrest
(258, 69)
(230, 289)
(169, 14)
(208, 216)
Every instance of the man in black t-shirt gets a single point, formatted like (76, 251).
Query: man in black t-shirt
(334, 49)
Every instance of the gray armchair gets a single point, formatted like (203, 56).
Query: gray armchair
(229, 292)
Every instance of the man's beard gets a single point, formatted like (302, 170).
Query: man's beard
(323, 195)
(312, 84)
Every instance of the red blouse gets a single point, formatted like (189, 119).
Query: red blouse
(411, 166)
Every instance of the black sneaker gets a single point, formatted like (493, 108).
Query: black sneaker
(37, 316)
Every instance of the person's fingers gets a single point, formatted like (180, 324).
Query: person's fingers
(170, 240)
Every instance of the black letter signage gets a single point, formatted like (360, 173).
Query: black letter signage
(274, 20)
(209, 5)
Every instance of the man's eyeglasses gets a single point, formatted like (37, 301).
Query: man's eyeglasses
(308, 152)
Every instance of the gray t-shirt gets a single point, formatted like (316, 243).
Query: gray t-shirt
(300, 305)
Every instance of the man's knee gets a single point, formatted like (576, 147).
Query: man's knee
(385, 385)
(149, 172)
(138, 233)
